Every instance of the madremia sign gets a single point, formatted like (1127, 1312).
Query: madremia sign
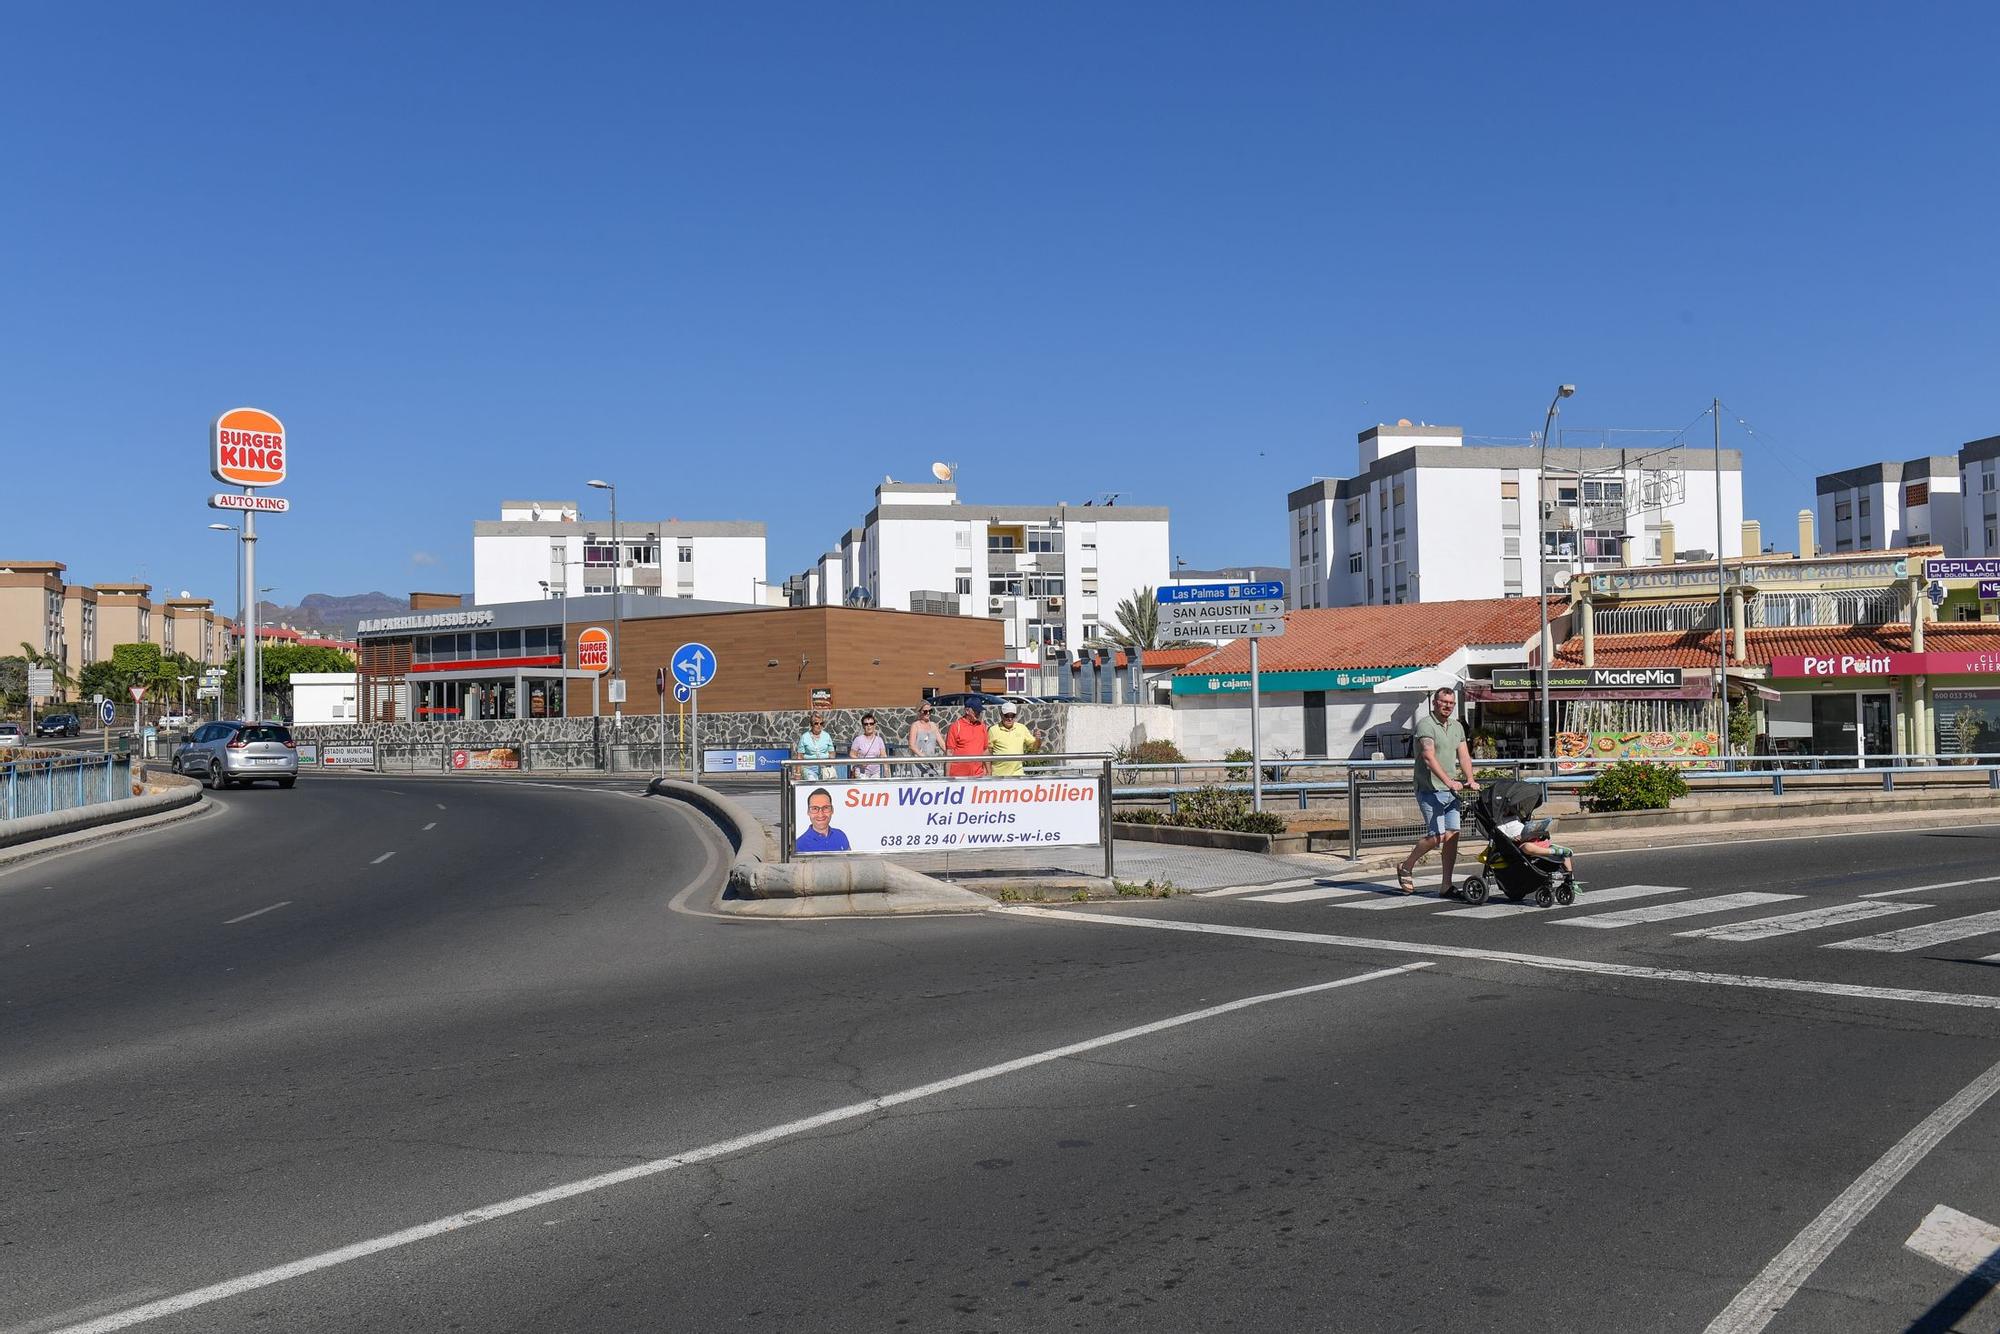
(935, 815)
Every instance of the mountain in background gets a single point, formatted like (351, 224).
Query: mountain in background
(333, 615)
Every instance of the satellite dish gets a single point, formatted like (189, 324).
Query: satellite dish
(535, 513)
(941, 471)
(1403, 421)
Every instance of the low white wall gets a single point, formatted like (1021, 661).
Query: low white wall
(1210, 726)
(1109, 727)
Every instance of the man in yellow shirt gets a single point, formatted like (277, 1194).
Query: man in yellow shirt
(1010, 738)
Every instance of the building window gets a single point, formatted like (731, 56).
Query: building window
(685, 555)
(962, 538)
(1864, 506)
(1510, 490)
(643, 553)
(594, 554)
(1354, 564)
(1918, 493)
(964, 586)
(1044, 540)
(1970, 613)
(1354, 511)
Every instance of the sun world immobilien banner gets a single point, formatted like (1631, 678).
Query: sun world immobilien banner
(935, 815)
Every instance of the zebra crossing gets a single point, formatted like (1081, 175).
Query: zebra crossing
(1671, 904)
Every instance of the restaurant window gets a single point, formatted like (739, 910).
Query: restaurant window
(486, 644)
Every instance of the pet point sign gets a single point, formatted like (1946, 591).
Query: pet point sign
(247, 448)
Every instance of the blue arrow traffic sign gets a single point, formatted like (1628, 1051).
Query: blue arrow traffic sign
(1219, 592)
(107, 711)
(694, 665)
(681, 692)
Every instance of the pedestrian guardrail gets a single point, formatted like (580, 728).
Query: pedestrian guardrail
(43, 785)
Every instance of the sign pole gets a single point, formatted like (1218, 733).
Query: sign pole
(663, 722)
(1256, 733)
(253, 686)
(694, 736)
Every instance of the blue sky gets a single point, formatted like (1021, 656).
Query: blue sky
(748, 259)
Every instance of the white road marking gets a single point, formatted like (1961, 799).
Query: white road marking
(1393, 898)
(84, 1312)
(427, 828)
(440, 805)
(265, 1278)
(1595, 897)
(1757, 1305)
(383, 858)
(1551, 962)
(1666, 912)
(1763, 928)
(259, 913)
(1918, 889)
(1919, 937)
(1310, 895)
(1959, 1242)
(1254, 889)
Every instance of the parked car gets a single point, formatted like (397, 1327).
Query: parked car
(58, 724)
(10, 734)
(176, 720)
(225, 754)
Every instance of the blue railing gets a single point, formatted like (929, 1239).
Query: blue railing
(35, 785)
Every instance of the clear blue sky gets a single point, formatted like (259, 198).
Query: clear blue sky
(747, 259)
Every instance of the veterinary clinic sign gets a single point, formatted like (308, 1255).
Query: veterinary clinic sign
(927, 815)
(247, 448)
(1887, 664)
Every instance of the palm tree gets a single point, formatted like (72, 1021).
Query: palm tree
(1138, 621)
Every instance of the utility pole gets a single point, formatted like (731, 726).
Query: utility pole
(1721, 596)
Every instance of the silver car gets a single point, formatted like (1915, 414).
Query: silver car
(225, 754)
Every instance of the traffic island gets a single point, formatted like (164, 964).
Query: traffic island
(761, 884)
(156, 798)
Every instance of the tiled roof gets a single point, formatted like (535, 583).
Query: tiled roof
(1696, 648)
(1414, 634)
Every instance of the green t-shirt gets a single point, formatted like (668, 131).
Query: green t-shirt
(1447, 737)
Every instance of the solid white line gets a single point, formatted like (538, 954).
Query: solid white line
(427, 828)
(1595, 897)
(383, 858)
(1959, 1242)
(1389, 897)
(1763, 928)
(1552, 962)
(112, 1303)
(1758, 1304)
(1254, 889)
(264, 1278)
(1309, 895)
(259, 913)
(1918, 937)
(1918, 889)
(1667, 912)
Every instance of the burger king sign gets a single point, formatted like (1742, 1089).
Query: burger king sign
(247, 448)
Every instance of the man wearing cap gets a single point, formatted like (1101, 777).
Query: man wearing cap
(966, 736)
(1010, 738)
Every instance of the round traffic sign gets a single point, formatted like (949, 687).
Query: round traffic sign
(681, 692)
(693, 664)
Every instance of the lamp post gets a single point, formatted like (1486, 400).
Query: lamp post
(183, 680)
(257, 652)
(1541, 568)
(617, 582)
(243, 675)
(563, 642)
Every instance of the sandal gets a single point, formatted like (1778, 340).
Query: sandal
(1406, 879)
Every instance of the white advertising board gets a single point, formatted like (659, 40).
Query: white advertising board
(932, 815)
(41, 682)
(352, 756)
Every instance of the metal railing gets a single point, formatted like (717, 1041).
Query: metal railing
(43, 785)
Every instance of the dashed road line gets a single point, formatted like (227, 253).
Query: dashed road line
(1919, 937)
(1763, 928)
(383, 858)
(1919, 889)
(1312, 895)
(259, 913)
(427, 828)
(1667, 912)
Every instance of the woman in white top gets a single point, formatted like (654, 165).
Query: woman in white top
(926, 739)
(868, 746)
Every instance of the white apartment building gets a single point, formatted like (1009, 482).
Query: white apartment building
(1054, 573)
(1431, 519)
(1939, 498)
(545, 548)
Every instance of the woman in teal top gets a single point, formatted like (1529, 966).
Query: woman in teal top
(815, 743)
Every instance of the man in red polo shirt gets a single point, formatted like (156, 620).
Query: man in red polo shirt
(966, 736)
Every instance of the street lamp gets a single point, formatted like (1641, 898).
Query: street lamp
(1541, 569)
(184, 693)
(562, 643)
(617, 582)
(243, 678)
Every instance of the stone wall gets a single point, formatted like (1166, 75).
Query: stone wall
(719, 731)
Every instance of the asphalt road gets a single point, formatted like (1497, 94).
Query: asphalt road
(1361, 1118)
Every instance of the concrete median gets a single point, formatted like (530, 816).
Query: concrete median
(31, 835)
(761, 884)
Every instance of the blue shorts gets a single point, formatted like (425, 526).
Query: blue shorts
(1440, 808)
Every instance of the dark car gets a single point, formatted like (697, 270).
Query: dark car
(58, 724)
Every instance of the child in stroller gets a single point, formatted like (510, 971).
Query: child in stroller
(1519, 859)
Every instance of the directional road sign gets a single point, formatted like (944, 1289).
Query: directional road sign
(1174, 593)
(681, 693)
(694, 665)
(1259, 627)
(1174, 613)
(107, 710)
(41, 682)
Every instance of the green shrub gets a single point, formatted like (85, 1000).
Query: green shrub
(1239, 762)
(1633, 785)
(1218, 808)
(1494, 775)
(1140, 815)
(1261, 822)
(1152, 752)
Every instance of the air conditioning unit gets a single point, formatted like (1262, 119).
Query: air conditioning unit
(1055, 603)
(996, 603)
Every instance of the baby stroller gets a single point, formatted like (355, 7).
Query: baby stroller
(1513, 872)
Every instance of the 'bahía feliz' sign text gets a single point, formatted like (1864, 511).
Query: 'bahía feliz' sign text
(247, 448)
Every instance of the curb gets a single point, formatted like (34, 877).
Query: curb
(760, 884)
(37, 835)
